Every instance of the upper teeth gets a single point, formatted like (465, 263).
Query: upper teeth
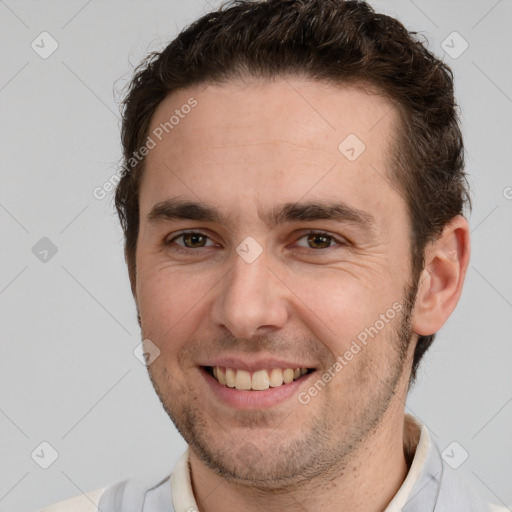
(259, 380)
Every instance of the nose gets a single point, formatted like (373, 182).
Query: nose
(251, 299)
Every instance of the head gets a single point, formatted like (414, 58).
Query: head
(265, 97)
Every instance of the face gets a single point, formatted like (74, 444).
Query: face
(273, 272)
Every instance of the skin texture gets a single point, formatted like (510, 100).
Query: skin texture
(245, 148)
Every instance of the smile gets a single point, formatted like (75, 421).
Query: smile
(258, 380)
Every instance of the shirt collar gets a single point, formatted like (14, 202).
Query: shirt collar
(418, 463)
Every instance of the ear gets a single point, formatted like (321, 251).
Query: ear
(440, 287)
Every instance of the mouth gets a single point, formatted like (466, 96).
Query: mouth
(258, 380)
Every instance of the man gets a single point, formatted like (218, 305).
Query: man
(292, 201)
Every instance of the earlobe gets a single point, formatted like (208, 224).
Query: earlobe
(440, 286)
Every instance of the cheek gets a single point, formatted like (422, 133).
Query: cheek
(169, 304)
(340, 305)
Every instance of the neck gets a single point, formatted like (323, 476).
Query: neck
(375, 472)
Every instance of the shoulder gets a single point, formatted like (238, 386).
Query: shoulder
(87, 502)
(131, 495)
(431, 481)
(148, 491)
(457, 494)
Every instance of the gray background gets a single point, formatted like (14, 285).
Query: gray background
(68, 373)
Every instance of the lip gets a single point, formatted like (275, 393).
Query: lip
(251, 400)
(254, 365)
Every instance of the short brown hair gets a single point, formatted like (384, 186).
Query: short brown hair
(335, 41)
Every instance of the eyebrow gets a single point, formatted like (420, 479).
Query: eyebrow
(175, 208)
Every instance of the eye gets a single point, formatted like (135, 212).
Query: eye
(320, 240)
(191, 240)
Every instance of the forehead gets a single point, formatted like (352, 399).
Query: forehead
(268, 140)
(324, 111)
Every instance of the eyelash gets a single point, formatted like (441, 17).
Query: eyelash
(187, 250)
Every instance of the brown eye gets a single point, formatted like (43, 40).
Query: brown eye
(319, 240)
(190, 240)
(194, 240)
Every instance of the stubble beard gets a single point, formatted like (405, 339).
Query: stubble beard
(320, 452)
